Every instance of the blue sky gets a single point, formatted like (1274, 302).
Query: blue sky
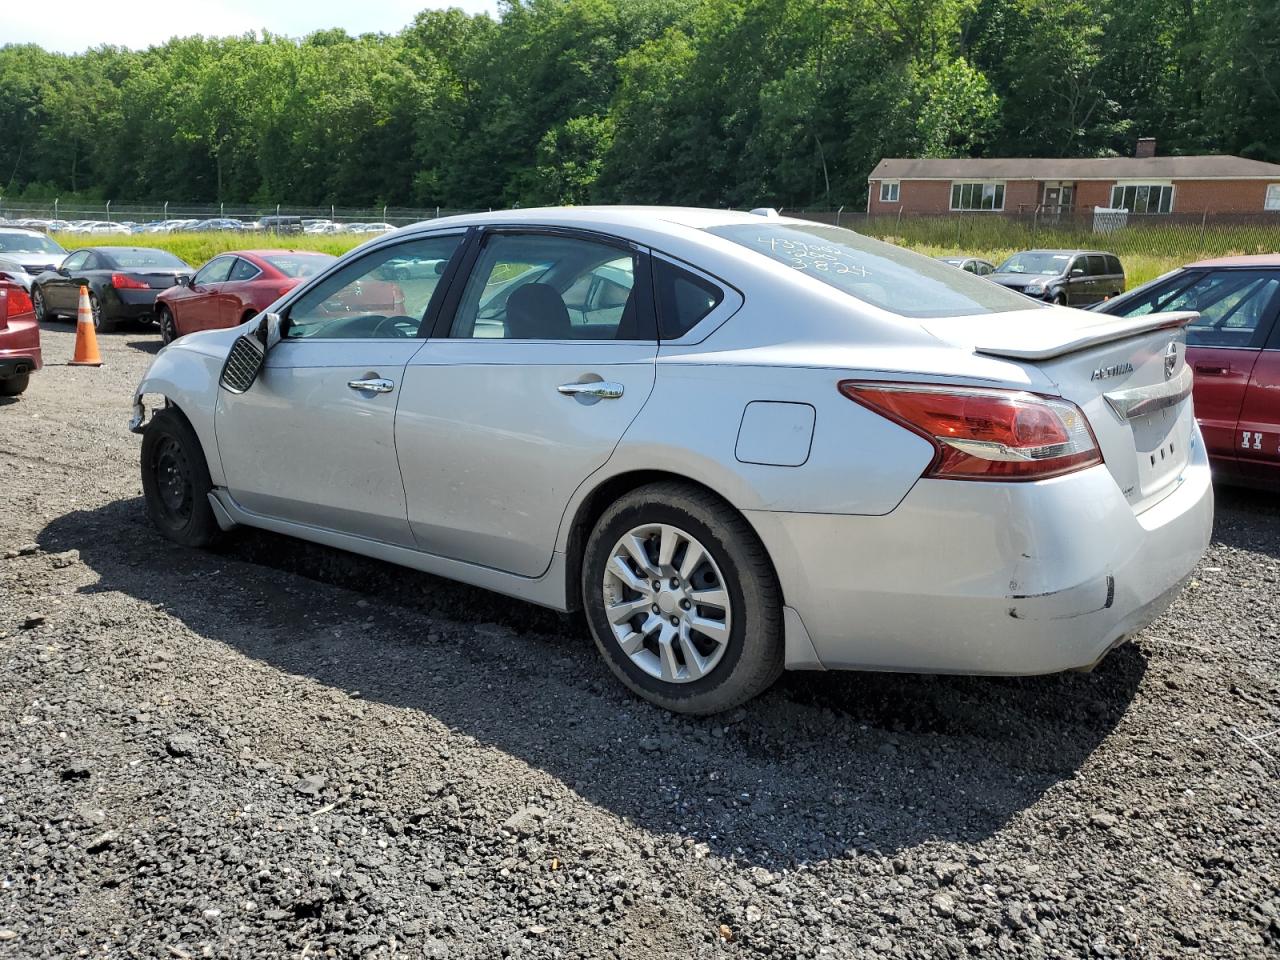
(74, 25)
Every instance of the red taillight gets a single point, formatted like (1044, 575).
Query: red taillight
(122, 281)
(15, 302)
(984, 434)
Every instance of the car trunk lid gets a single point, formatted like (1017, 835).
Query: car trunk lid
(1128, 374)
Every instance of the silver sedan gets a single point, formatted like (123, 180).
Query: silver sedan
(740, 443)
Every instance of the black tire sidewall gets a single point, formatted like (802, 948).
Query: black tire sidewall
(168, 328)
(12, 386)
(39, 305)
(201, 527)
(748, 607)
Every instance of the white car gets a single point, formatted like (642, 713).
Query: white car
(742, 443)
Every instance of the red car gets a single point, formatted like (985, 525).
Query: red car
(232, 287)
(1234, 349)
(19, 339)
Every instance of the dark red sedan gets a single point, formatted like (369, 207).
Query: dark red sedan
(232, 287)
(19, 339)
(1234, 349)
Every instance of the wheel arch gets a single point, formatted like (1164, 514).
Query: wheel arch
(592, 505)
(188, 381)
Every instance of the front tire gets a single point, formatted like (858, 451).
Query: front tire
(168, 328)
(1059, 299)
(682, 600)
(175, 481)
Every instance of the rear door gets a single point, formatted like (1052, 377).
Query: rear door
(1099, 281)
(1078, 284)
(511, 406)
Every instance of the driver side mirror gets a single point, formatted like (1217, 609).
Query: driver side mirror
(1077, 271)
(248, 354)
(184, 280)
(63, 271)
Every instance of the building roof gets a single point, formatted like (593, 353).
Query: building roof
(1081, 168)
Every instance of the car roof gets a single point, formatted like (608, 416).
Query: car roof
(274, 250)
(613, 216)
(1068, 252)
(1253, 260)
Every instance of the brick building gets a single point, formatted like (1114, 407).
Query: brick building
(1143, 183)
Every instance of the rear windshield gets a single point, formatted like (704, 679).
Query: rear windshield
(27, 243)
(300, 264)
(1041, 263)
(143, 258)
(878, 273)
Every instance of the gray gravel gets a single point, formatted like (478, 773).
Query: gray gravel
(277, 750)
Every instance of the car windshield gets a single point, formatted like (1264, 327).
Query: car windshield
(144, 258)
(881, 274)
(300, 264)
(28, 243)
(1043, 263)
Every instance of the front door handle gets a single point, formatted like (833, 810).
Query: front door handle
(600, 389)
(372, 385)
(1213, 369)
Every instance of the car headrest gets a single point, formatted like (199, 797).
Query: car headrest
(537, 312)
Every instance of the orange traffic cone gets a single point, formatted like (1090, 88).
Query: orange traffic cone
(86, 354)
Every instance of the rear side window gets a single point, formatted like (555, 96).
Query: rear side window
(1113, 265)
(244, 270)
(891, 278)
(684, 298)
(1097, 265)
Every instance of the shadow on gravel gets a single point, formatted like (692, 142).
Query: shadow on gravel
(145, 346)
(821, 766)
(1237, 514)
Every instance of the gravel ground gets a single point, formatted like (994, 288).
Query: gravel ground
(277, 750)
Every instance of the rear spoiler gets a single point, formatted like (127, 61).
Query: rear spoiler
(1026, 341)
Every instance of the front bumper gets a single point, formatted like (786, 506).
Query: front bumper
(990, 578)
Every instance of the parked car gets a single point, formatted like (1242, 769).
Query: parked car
(283, 223)
(30, 250)
(123, 283)
(1070, 278)
(19, 339)
(740, 443)
(1234, 349)
(233, 287)
(971, 265)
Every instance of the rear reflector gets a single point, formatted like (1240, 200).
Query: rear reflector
(981, 434)
(122, 281)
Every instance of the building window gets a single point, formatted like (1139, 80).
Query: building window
(977, 196)
(888, 191)
(1273, 197)
(1142, 197)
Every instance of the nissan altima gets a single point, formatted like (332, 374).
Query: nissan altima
(739, 443)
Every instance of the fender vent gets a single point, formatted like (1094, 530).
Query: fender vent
(242, 366)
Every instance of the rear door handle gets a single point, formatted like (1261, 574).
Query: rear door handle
(1212, 369)
(600, 389)
(372, 385)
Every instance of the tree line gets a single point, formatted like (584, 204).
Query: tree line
(710, 102)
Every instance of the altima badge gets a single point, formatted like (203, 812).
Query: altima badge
(1171, 359)
(1115, 370)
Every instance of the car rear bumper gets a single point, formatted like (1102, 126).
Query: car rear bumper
(990, 578)
(20, 348)
(132, 304)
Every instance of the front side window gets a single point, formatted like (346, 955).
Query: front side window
(550, 287)
(1142, 197)
(889, 191)
(1273, 197)
(977, 196)
(215, 271)
(1233, 305)
(76, 261)
(881, 274)
(372, 297)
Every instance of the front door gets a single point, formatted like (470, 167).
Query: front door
(312, 441)
(1258, 429)
(549, 357)
(62, 292)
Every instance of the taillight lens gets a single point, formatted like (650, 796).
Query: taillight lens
(14, 302)
(122, 281)
(982, 434)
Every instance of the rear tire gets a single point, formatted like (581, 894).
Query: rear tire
(660, 652)
(175, 481)
(38, 304)
(12, 386)
(101, 322)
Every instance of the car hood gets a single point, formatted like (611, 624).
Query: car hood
(46, 260)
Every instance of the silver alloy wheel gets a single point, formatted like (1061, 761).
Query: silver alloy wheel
(667, 603)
